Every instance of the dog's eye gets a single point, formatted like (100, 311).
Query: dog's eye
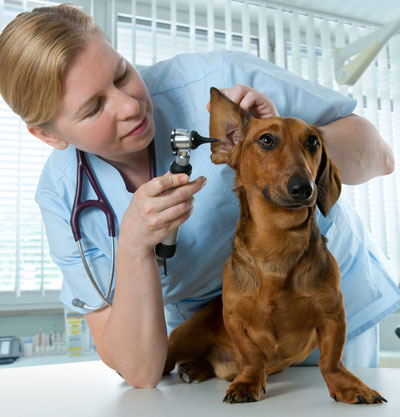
(312, 143)
(266, 141)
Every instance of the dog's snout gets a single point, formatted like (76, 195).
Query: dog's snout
(300, 189)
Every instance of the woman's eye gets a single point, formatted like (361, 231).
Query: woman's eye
(312, 143)
(95, 109)
(121, 79)
(267, 141)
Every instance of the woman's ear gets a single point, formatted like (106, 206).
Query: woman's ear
(47, 137)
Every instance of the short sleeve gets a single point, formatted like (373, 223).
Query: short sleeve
(292, 95)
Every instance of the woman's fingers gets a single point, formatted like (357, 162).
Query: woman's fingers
(235, 93)
(169, 190)
(159, 185)
(171, 218)
(177, 195)
(249, 99)
(159, 206)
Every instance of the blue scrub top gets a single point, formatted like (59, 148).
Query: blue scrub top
(179, 89)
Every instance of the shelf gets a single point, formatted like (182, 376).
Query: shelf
(50, 360)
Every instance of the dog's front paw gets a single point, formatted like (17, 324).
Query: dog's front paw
(243, 392)
(356, 394)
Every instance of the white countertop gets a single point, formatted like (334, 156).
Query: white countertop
(89, 389)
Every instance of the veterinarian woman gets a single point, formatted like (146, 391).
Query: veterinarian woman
(61, 75)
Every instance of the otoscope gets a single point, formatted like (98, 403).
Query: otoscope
(181, 142)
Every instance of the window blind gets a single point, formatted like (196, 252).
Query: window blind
(25, 264)
(149, 31)
(302, 42)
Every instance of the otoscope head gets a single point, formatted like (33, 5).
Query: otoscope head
(198, 140)
(184, 140)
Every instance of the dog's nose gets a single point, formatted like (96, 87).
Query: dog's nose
(300, 189)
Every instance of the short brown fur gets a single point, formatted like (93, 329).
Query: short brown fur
(281, 286)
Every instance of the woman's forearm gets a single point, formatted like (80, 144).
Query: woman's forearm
(357, 149)
(134, 339)
(131, 335)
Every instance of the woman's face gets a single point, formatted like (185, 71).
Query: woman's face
(105, 107)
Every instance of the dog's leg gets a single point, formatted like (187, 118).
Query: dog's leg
(190, 343)
(250, 382)
(195, 370)
(342, 384)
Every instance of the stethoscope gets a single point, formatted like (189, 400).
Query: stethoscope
(102, 204)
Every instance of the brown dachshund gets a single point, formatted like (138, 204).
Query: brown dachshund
(281, 296)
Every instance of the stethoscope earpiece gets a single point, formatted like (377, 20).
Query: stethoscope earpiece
(76, 302)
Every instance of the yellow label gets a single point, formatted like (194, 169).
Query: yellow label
(75, 328)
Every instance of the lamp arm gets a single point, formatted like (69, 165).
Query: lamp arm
(367, 48)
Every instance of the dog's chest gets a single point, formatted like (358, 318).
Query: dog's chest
(275, 314)
(283, 326)
(273, 303)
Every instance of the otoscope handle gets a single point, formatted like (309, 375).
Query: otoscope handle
(166, 249)
(175, 168)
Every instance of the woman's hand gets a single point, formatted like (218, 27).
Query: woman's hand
(258, 104)
(156, 209)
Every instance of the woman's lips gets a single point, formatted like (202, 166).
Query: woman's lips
(139, 129)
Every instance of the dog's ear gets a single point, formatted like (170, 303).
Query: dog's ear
(328, 183)
(228, 124)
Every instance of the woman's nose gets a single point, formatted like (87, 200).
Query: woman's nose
(126, 106)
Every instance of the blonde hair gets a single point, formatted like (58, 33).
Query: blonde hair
(35, 50)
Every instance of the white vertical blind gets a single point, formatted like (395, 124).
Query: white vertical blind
(327, 67)
(295, 43)
(173, 26)
(133, 31)
(154, 30)
(210, 24)
(263, 34)
(113, 23)
(228, 24)
(25, 264)
(148, 31)
(340, 42)
(192, 25)
(280, 47)
(246, 26)
(2, 22)
(311, 50)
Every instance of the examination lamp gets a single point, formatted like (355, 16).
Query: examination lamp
(366, 49)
